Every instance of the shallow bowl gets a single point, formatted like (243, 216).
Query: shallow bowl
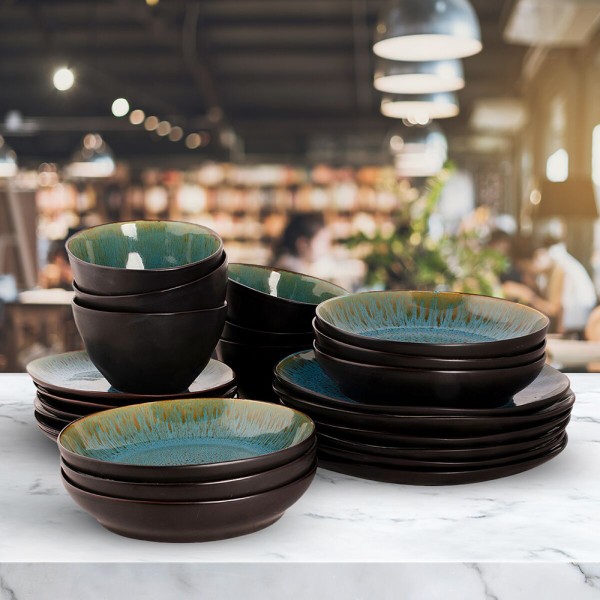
(135, 257)
(275, 300)
(207, 292)
(436, 324)
(188, 440)
(155, 353)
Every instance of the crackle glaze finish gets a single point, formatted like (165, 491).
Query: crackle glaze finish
(186, 432)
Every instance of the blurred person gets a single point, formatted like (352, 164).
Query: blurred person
(304, 243)
(504, 243)
(57, 271)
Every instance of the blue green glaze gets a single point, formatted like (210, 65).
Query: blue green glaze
(144, 244)
(430, 317)
(186, 432)
(284, 284)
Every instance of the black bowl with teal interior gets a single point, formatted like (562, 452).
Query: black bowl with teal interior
(388, 359)
(436, 324)
(197, 491)
(187, 440)
(150, 353)
(393, 385)
(275, 300)
(207, 292)
(136, 257)
(244, 335)
(253, 365)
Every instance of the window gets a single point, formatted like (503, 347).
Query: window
(557, 165)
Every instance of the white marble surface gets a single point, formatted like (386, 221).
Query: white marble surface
(550, 514)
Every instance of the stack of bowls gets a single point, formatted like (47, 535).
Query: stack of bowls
(188, 470)
(427, 388)
(270, 313)
(149, 301)
(69, 387)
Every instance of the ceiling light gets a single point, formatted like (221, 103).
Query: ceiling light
(163, 128)
(8, 160)
(413, 140)
(176, 134)
(419, 108)
(93, 159)
(419, 77)
(416, 30)
(137, 117)
(63, 79)
(120, 107)
(151, 123)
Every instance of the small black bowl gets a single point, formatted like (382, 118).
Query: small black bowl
(207, 292)
(381, 385)
(150, 353)
(275, 300)
(244, 335)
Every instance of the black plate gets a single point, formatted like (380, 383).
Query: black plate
(408, 477)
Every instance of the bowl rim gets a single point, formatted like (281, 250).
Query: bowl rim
(76, 304)
(188, 467)
(79, 292)
(209, 231)
(275, 334)
(280, 298)
(307, 476)
(544, 319)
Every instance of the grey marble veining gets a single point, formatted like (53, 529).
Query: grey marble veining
(550, 514)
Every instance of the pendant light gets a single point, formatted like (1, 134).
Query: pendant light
(419, 77)
(420, 108)
(421, 30)
(8, 160)
(418, 151)
(94, 159)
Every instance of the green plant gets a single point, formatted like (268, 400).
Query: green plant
(409, 257)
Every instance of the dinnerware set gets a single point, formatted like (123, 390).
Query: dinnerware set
(269, 316)
(149, 288)
(188, 470)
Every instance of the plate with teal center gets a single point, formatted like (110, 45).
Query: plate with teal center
(74, 373)
(412, 321)
(302, 374)
(191, 431)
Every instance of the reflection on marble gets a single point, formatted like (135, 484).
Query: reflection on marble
(547, 514)
(472, 581)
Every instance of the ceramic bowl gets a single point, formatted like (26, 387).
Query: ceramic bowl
(188, 440)
(301, 376)
(243, 335)
(253, 366)
(154, 353)
(72, 375)
(344, 351)
(391, 385)
(435, 324)
(196, 492)
(190, 521)
(136, 257)
(206, 292)
(275, 300)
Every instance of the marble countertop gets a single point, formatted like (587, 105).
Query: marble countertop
(549, 514)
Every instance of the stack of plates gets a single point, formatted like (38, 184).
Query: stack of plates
(69, 387)
(188, 470)
(414, 443)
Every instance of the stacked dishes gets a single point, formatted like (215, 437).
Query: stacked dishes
(69, 387)
(188, 470)
(149, 301)
(420, 444)
(269, 316)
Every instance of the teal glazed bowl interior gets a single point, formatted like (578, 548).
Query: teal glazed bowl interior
(438, 324)
(142, 256)
(195, 439)
(275, 300)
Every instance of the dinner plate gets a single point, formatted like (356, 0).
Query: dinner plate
(428, 424)
(363, 456)
(48, 426)
(301, 374)
(74, 374)
(433, 477)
